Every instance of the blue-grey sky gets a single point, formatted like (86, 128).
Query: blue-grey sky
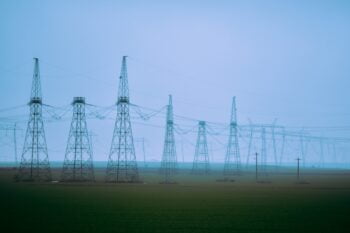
(282, 59)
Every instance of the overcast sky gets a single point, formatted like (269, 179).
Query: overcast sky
(284, 60)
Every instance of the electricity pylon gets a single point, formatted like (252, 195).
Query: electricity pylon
(169, 160)
(201, 157)
(250, 143)
(283, 145)
(78, 164)
(303, 148)
(232, 160)
(122, 165)
(274, 144)
(263, 155)
(34, 165)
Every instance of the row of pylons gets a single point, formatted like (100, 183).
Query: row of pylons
(122, 165)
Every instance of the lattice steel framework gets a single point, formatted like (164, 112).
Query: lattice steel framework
(78, 162)
(232, 164)
(169, 160)
(263, 154)
(34, 165)
(201, 158)
(122, 165)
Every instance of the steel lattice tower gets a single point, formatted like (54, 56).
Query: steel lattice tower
(303, 148)
(34, 165)
(78, 164)
(122, 165)
(263, 154)
(169, 160)
(201, 157)
(232, 160)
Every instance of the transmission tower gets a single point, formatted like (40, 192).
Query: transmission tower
(303, 148)
(283, 145)
(169, 160)
(263, 154)
(78, 165)
(250, 143)
(232, 160)
(34, 165)
(122, 165)
(274, 144)
(201, 157)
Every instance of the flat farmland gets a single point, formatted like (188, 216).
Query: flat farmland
(195, 204)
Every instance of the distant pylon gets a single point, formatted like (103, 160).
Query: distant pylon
(303, 148)
(34, 165)
(122, 165)
(232, 160)
(250, 143)
(201, 157)
(274, 146)
(78, 164)
(169, 160)
(263, 154)
(283, 145)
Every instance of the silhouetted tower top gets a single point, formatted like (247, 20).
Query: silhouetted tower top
(123, 93)
(35, 96)
(78, 100)
(233, 120)
(170, 118)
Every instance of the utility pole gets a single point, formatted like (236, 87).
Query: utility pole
(201, 157)
(232, 164)
(298, 169)
(169, 160)
(122, 165)
(78, 164)
(35, 164)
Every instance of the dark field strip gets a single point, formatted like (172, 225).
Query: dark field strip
(322, 206)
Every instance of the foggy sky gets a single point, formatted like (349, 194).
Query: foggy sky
(284, 60)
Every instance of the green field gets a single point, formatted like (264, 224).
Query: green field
(195, 204)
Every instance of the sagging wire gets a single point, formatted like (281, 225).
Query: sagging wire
(51, 110)
(145, 116)
(179, 130)
(101, 112)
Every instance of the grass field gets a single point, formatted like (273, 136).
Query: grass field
(195, 204)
